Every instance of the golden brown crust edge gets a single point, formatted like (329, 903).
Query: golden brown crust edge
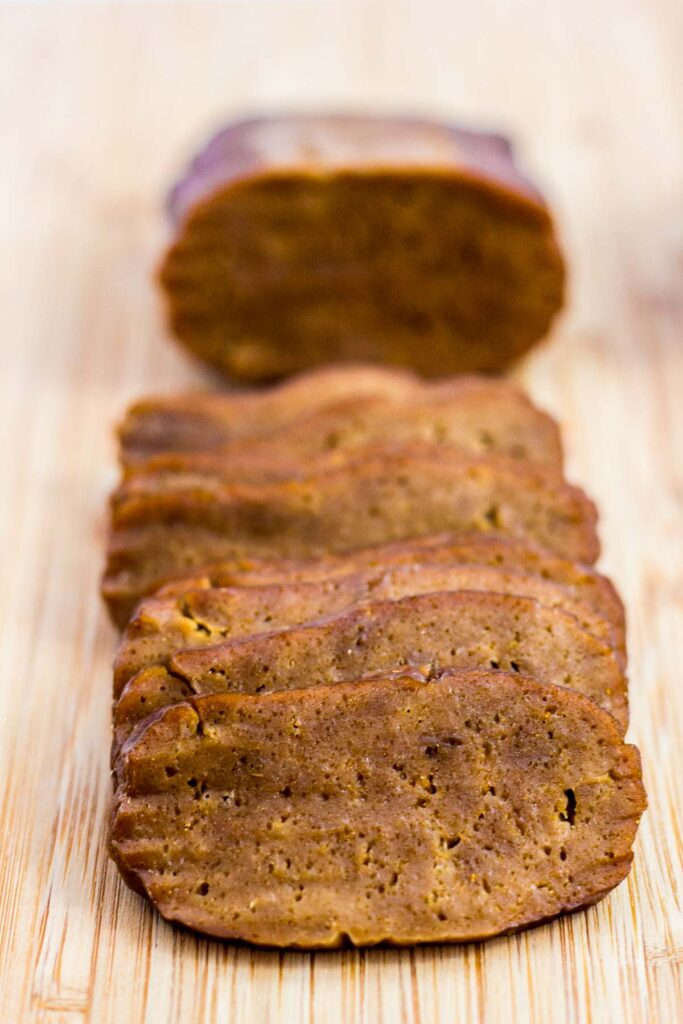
(623, 803)
(199, 615)
(383, 499)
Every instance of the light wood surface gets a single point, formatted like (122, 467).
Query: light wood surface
(99, 106)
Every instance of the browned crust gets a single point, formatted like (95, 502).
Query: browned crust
(487, 549)
(200, 615)
(277, 462)
(382, 499)
(233, 155)
(186, 421)
(316, 410)
(581, 745)
(210, 497)
(427, 633)
(490, 549)
(413, 632)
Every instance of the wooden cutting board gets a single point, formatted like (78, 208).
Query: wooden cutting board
(99, 107)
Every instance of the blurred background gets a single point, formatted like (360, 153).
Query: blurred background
(103, 104)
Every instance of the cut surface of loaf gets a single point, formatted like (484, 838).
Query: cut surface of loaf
(386, 811)
(301, 239)
(160, 536)
(199, 616)
(477, 414)
(426, 632)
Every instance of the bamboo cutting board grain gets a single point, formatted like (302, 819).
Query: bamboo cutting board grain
(99, 106)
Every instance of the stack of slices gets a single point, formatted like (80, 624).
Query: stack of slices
(372, 688)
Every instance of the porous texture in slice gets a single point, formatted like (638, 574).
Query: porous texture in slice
(304, 239)
(476, 414)
(439, 630)
(155, 538)
(386, 811)
(200, 616)
(483, 549)
(490, 549)
(428, 632)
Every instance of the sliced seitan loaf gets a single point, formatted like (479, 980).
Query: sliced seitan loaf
(158, 537)
(429, 632)
(201, 616)
(475, 414)
(304, 239)
(384, 811)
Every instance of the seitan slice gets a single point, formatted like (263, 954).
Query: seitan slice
(483, 549)
(384, 811)
(198, 617)
(193, 421)
(488, 549)
(158, 537)
(181, 474)
(478, 415)
(429, 632)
